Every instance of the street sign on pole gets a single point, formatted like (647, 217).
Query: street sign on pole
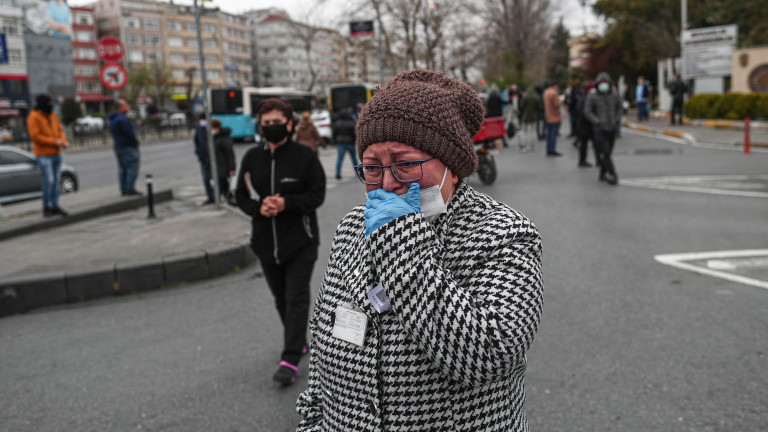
(114, 76)
(110, 49)
(361, 28)
(707, 51)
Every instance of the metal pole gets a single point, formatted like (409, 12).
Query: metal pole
(150, 198)
(746, 136)
(381, 48)
(207, 110)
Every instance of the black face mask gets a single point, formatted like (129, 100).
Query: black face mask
(47, 109)
(275, 133)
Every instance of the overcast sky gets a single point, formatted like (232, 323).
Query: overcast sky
(574, 15)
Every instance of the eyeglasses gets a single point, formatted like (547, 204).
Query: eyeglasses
(406, 171)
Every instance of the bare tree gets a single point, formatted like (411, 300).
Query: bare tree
(405, 13)
(518, 38)
(161, 82)
(306, 33)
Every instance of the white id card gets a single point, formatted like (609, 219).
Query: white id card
(350, 325)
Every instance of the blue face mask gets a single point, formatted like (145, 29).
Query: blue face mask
(603, 87)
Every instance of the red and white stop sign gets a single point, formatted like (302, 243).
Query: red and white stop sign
(110, 49)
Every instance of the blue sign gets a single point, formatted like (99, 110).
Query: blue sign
(3, 50)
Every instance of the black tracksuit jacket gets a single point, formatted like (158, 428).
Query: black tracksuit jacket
(293, 171)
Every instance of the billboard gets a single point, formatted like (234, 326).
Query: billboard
(707, 51)
(47, 17)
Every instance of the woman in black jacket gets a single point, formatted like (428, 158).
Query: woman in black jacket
(280, 186)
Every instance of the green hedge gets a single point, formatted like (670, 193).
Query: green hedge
(732, 106)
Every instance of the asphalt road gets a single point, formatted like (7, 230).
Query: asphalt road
(626, 343)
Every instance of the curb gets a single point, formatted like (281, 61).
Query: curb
(25, 293)
(16, 229)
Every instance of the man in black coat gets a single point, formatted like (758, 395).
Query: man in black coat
(280, 186)
(677, 89)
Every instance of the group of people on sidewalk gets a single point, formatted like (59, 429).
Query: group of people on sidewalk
(48, 142)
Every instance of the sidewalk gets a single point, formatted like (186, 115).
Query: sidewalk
(724, 133)
(108, 246)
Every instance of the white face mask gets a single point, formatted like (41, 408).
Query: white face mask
(431, 199)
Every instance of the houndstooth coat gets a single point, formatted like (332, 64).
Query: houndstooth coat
(450, 355)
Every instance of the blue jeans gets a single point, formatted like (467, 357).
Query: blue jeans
(552, 130)
(642, 111)
(127, 168)
(341, 149)
(50, 168)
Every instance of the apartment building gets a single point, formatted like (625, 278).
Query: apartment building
(14, 89)
(88, 91)
(280, 56)
(165, 34)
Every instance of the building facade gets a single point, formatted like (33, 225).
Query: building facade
(14, 86)
(163, 37)
(89, 91)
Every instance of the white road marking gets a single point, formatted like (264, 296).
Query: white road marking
(693, 143)
(678, 260)
(688, 184)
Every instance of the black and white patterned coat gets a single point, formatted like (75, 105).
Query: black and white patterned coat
(450, 355)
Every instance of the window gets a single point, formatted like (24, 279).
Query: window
(191, 26)
(135, 56)
(176, 58)
(133, 39)
(175, 42)
(152, 40)
(84, 36)
(84, 19)
(14, 57)
(174, 26)
(151, 23)
(132, 23)
(211, 43)
(179, 74)
(209, 28)
(9, 27)
(193, 58)
(213, 74)
(154, 56)
(192, 43)
(88, 87)
(211, 58)
(88, 70)
(86, 53)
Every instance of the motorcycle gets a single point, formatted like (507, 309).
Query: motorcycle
(487, 146)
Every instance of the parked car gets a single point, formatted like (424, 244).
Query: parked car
(20, 177)
(322, 121)
(89, 124)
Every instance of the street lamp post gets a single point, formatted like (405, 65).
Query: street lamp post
(207, 109)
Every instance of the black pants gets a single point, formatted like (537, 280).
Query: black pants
(677, 111)
(582, 141)
(604, 144)
(289, 283)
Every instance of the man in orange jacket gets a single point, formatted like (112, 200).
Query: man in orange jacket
(48, 140)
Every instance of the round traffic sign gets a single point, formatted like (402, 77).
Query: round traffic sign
(114, 76)
(110, 49)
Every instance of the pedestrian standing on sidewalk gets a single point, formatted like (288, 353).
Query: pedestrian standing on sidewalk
(306, 133)
(552, 103)
(225, 157)
(201, 150)
(126, 148)
(677, 89)
(280, 186)
(48, 141)
(603, 110)
(343, 131)
(529, 117)
(430, 301)
(642, 97)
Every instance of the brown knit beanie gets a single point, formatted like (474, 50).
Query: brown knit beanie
(428, 111)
